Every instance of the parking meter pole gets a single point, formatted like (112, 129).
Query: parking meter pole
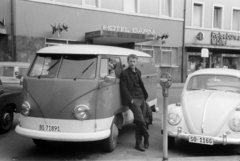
(165, 82)
(165, 131)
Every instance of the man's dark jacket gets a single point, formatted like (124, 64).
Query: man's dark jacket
(127, 84)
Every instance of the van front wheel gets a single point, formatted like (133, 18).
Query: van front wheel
(110, 143)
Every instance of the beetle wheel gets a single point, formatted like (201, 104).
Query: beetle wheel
(6, 119)
(110, 143)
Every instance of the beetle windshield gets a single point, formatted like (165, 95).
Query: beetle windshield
(214, 82)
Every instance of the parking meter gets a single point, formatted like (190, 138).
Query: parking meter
(165, 82)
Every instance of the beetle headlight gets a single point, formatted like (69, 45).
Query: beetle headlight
(81, 112)
(25, 110)
(234, 124)
(174, 118)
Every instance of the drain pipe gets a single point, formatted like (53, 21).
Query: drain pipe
(183, 42)
(12, 31)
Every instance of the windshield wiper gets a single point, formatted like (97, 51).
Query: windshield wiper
(79, 75)
(49, 68)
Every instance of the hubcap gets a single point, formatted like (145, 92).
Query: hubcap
(6, 118)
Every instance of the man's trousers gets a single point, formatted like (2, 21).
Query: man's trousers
(138, 111)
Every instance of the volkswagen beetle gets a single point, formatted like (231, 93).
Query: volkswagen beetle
(209, 109)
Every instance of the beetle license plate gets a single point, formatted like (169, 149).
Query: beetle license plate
(201, 140)
(52, 128)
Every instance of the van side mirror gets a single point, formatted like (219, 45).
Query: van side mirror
(109, 79)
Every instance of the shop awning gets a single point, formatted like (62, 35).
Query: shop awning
(212, 46)
(3, 31)
(115, 37)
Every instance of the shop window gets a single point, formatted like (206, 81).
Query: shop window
(236, 20)
(197, 17)
(166, 57)
(130, 6)
(218, 17)
(54, 42)
(148, 51)
(157, 56)
(166, 8)
(169, 58)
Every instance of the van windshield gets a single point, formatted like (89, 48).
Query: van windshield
(70, 66)
(78, 67)
(45, 66)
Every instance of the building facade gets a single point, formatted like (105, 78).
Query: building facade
(212, 35)
(155, 27)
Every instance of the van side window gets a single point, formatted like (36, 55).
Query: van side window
(110, 66)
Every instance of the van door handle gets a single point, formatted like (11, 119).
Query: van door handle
(148, 76)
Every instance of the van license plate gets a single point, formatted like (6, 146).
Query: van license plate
(201, 140)
(52, 128)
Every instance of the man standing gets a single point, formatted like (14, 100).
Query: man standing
(134, 95)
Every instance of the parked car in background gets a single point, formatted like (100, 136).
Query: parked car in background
(209, 109)
(10, 92)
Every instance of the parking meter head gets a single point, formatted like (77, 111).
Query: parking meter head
(165, 80)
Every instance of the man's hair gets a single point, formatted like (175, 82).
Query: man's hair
(133, 56)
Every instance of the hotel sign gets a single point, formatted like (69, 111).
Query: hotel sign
(124, 29)
(220, 39)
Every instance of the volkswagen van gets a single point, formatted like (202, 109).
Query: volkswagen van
(70, 96)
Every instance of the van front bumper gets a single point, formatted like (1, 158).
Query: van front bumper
(61, 136)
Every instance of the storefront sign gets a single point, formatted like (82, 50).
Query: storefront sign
(204, 53)
(124, 29)
(220, 39)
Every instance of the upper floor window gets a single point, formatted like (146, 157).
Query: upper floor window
(236, 20)
(166, 8)
(197, 15)
(218, 17)
(92, 3)
(130, 6)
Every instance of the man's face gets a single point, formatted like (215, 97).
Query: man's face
(132, 63)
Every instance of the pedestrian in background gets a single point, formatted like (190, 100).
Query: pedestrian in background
(134, 96)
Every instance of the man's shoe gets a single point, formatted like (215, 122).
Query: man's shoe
(139, 147)
(146, 143)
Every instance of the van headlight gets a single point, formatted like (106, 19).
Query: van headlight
(234, 124)
(25, 109)
(174, 118)
(81, 112)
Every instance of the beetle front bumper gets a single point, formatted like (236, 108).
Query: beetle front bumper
(224, 139)
(54, 136)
